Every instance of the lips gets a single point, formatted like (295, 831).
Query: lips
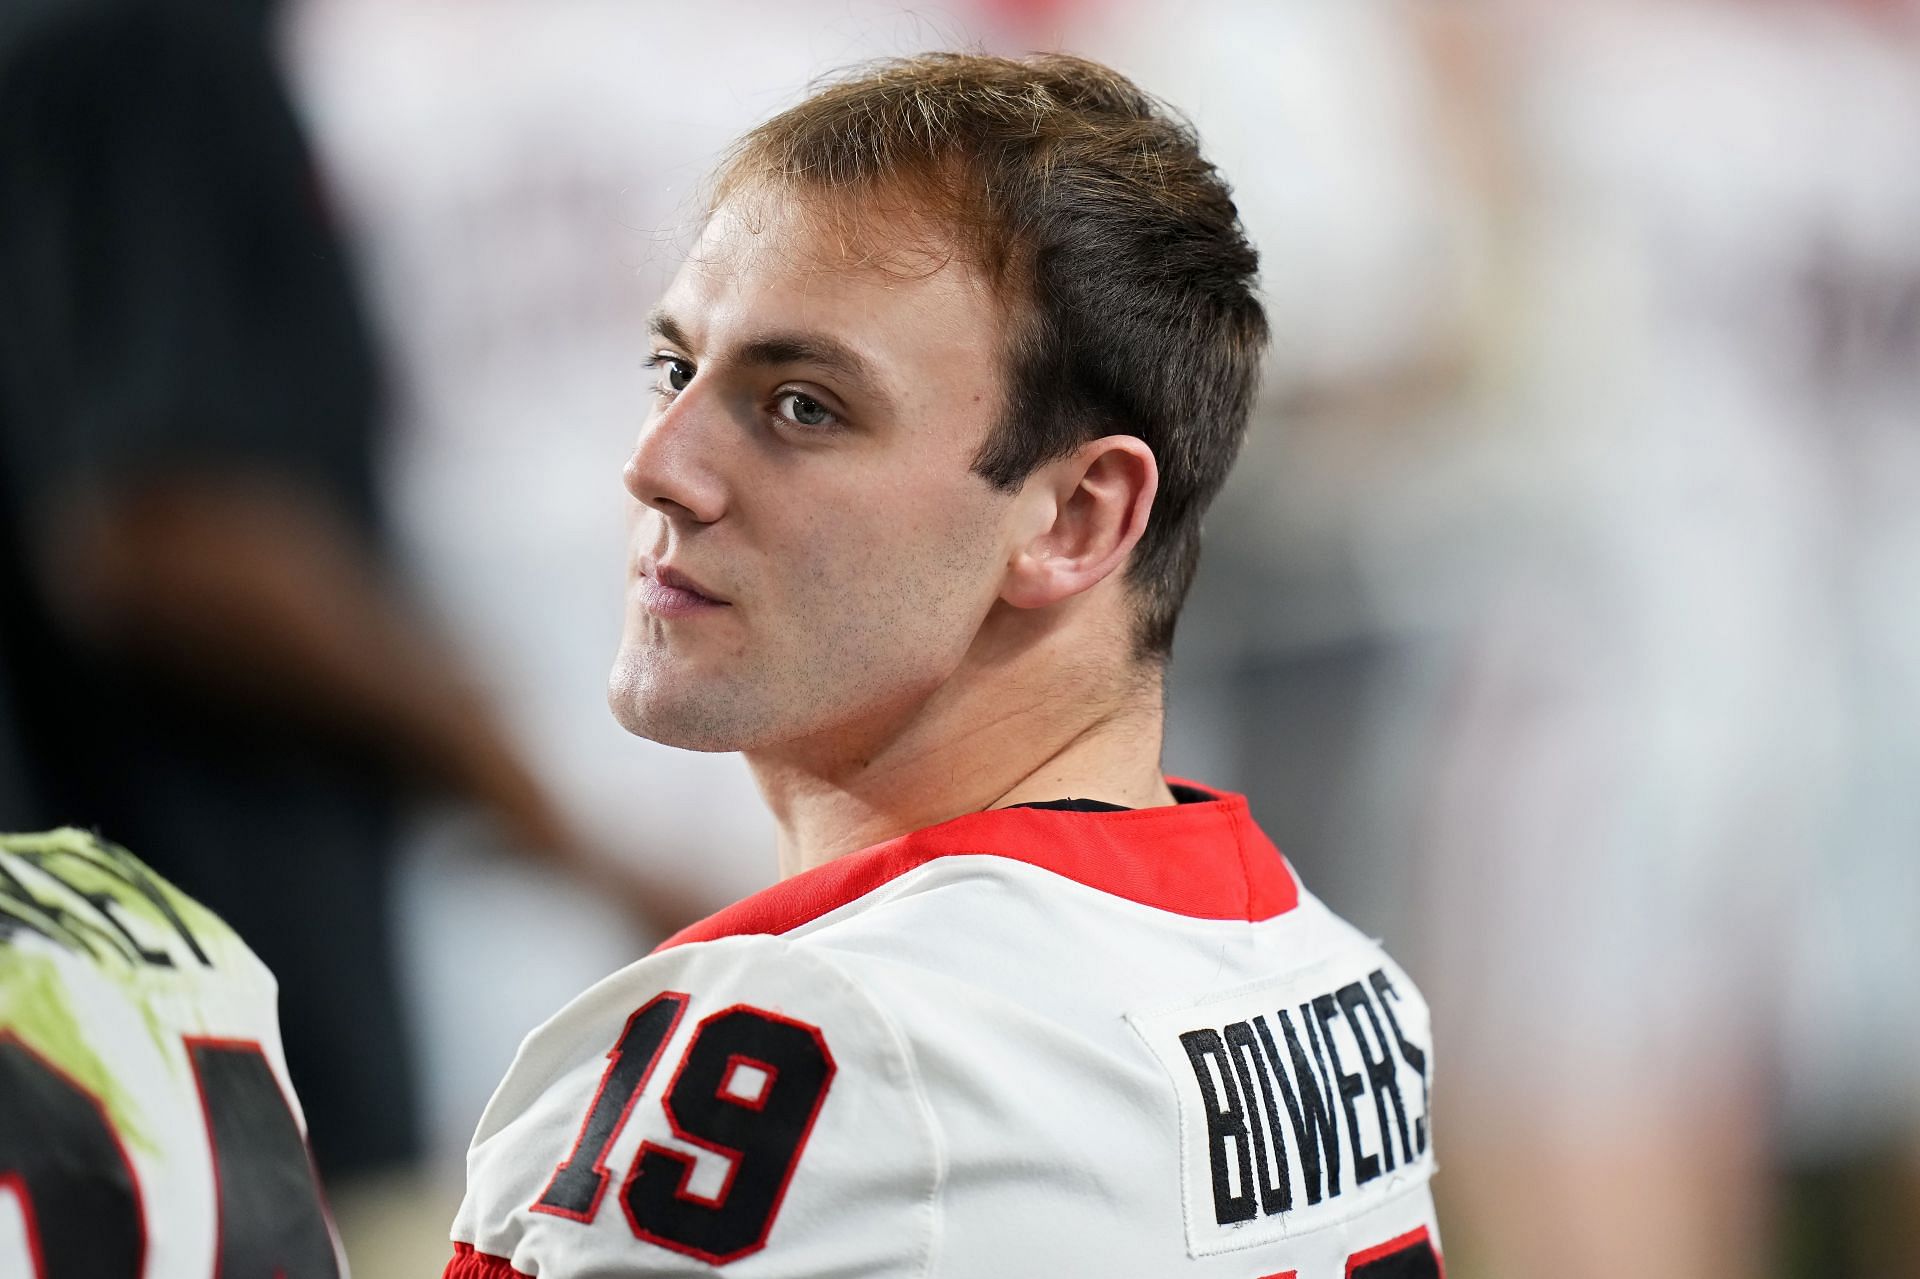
(674, 579)
(668, 592)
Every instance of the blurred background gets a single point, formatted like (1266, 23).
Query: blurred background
(1562, 619)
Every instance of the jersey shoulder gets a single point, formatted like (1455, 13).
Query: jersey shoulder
(735, 1102)
(88, 930)
(1248, 1089)
(981, 1056)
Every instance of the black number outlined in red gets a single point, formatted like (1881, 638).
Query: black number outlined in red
(63, 1160)
(271, 1217)
(759, 1129)
(577, 1184)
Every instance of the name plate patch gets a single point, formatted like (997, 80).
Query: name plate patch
(1303, 1100)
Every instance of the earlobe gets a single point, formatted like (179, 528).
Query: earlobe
(1096, 502)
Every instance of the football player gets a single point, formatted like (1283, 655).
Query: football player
(146, 1124)
(965, 348)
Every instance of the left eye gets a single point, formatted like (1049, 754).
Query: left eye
(671, 374)
(802, 409)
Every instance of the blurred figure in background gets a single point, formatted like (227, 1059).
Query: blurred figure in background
(1636, 725)
(1664, 781)
(201, 652)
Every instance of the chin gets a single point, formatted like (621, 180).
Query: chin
(754, 708)
(651, 703)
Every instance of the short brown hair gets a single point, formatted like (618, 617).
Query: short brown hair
(1115, 244)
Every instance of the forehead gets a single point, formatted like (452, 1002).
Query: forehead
(886, 281)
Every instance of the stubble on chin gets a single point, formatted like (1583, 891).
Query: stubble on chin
(653, 697)
(648, 701)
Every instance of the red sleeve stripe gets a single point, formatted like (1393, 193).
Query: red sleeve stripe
(469, 1264)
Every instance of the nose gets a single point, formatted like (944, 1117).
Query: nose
(671, 468)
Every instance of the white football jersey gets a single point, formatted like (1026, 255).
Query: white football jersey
(147, 1129)
(1024, 1042)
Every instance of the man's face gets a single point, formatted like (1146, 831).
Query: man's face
(811, 551)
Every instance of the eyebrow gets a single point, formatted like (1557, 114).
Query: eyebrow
(787, 348)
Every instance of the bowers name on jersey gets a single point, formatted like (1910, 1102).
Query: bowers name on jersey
(1303, 1101)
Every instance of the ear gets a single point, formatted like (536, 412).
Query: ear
(1085, 513)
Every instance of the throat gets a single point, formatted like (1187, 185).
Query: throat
(1033, 756)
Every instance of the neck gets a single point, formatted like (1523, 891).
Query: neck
(988, 738)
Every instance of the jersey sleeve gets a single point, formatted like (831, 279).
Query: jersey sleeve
(737, 1103)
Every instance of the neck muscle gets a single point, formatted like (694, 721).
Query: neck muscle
(975, 743)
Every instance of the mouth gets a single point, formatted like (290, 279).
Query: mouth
(668, 592)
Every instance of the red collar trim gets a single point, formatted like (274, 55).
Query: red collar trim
(1205, 860)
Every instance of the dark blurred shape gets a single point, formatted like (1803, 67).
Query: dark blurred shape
(197, 655)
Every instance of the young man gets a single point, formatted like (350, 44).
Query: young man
(964, 350)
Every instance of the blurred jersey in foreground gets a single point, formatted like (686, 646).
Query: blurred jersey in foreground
(146, 1123)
